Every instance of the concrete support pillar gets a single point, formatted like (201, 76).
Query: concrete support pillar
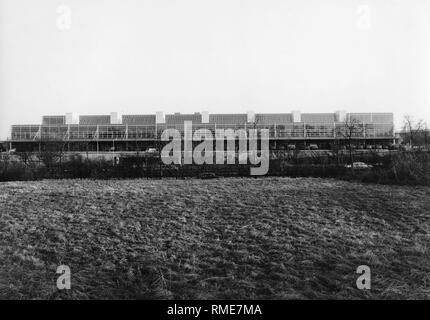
(205, 117)
(340, 116)
(159, 117)
(297, 116)
(250, 116)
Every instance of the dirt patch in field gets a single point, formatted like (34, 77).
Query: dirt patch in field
(271, 238)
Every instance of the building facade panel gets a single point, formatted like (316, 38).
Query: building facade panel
(94, 120)
(360, 117)
(53, 120)
(318, 118)
(272, 118)
(138, 119)
(234, 118)
(382, 118)
(178, 118)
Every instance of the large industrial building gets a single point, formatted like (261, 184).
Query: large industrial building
(101, 133)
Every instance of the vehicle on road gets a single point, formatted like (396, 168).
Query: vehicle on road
(313, 147)
(359, 165)
(151, 150)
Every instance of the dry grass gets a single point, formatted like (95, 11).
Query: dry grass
(228, 238)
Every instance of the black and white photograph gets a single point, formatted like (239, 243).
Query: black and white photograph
(214, 150)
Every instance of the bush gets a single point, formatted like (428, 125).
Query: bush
(411, 167)
(12, 171)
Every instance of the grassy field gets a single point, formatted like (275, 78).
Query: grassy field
(270, 238)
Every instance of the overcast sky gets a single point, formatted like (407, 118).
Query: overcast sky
(142, 56)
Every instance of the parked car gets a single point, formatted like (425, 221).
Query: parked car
(313, 147)
(378, 146)
(360, 165)
(151, 150)
(291, 147)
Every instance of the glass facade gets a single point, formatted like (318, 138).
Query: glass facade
(144, 127)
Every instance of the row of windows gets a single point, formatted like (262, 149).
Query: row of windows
(262, 118)
(152, 132)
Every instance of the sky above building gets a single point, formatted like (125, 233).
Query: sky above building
(223, 56)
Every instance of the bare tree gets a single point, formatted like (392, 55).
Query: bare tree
(3, 147)
(4, 164)
(426, 132)
(349, 131)
(413, 130)
(26, 157)
(158, 144)
(51, 151)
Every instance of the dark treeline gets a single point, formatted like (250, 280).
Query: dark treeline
(392, 168)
